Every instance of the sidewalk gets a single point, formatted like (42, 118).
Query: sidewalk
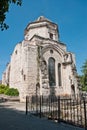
(12, 117)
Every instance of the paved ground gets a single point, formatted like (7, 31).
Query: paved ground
(12, 117)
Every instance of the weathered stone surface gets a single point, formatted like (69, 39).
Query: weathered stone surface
(29, 64)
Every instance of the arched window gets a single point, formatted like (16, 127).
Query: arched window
(51, 71)
(59, 74)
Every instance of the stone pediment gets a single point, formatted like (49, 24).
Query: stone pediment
(36, 37)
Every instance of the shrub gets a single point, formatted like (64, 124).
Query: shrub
(12, 92)
(3, 88)
(8, 91)
(84, 88)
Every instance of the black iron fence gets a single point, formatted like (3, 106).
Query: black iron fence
(70, 109)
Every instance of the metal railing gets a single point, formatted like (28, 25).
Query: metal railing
(70, 109)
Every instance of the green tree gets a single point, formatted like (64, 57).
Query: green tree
(4, 8)
(84, 76)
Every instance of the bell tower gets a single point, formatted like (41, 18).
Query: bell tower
(42, 27)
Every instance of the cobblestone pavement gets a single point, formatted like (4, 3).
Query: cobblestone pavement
(12, 117)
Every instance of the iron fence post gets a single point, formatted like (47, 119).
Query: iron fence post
(59, 109)
(36, 101)
(40, 104)
(85, 112)
(26, 105)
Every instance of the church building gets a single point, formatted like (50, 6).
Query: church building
(41, 64)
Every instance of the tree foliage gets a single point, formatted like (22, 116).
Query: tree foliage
(84, 76)
(4, 8)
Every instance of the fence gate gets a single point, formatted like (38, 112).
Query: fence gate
(72, 110)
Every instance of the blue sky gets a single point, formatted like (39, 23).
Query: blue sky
(70, 15)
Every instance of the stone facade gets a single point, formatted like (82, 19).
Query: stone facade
(41, 64)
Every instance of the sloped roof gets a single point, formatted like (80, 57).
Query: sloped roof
(40, 19)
